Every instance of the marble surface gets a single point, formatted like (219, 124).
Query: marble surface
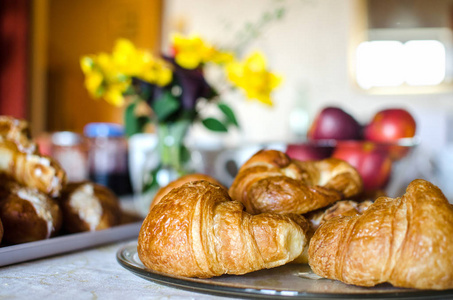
(88, 274)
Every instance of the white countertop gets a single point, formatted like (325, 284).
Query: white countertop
(88, 274)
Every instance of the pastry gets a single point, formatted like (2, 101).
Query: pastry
(17, 131)
(197, 231)
(272, 182)
(28, 215)
(406, 241)
(340, 208)
(180, 181)
(88, 206)
(20, 160)
(31, 170)
(318, 217)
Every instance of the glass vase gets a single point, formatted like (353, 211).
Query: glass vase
(169, 160)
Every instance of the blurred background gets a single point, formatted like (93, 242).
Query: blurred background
(329, 53)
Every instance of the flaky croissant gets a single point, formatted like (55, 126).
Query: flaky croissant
(197, 231)
(180, 181)
(405, 241)
(272, 182)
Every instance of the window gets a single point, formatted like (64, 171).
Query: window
(393, 63)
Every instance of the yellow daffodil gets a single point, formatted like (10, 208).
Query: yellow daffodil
(93, 83)
(221, 57)
(114, 96)
(109, 75)
(191, 51)
(86, 64)
(253, 77)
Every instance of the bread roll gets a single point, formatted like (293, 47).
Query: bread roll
(88, 206)
(29, 215)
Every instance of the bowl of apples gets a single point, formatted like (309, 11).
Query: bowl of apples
(374, 149)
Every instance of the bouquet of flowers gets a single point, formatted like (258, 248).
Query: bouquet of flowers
(167, 89)
(170, 91)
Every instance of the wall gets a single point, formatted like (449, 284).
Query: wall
(84, 27)
(313, 47)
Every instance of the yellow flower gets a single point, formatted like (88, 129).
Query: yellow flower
(253, 77)
(114, 93)
(191, 51)
(93, 83)
(86, 64)
(221, 57)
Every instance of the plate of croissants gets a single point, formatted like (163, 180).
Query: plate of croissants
(41, 214)
(289, 228)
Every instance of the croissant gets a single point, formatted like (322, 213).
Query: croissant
(318, 217)
(405, 241)
(272, 182)
(339, 208)
(197, 231)
(180, 181)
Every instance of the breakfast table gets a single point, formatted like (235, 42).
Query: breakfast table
(80, 266)
(92, 273)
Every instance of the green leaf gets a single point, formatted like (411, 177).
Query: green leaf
(280, 13)
(165, 106)
(229, 114)
(214, 125)
(133, 124)
(151, 183)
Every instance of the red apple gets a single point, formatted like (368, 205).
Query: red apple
(334, 123)
(390, 125)
(308, 151)
(372, 162)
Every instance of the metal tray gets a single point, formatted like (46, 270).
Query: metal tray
(295, 281)
(66, 243)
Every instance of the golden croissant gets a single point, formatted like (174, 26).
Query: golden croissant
(406, 241)
(197, 231)
(270, 181)
(180, 181)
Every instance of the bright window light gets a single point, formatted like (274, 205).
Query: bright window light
(392, 63)
(380, 63)
(425, 62)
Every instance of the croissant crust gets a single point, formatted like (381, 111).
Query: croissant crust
(272, 182)
(197, 231)
(406, 241)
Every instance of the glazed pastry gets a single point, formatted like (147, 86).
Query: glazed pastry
(180, 181)
(272, 182)
(88, 206)
(17, 131)
(405, 241)
(29, 215)
(31, 170)
(197, 231)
